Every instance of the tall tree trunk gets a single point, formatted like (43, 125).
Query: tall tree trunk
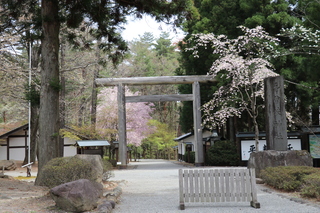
(34, 132)
(81, 115)
(49, 93)
(231, 129)
(256, 126)
(94, 93)
(315, 115)
(94, 101)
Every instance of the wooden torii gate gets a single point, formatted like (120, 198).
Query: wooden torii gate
(122, 100)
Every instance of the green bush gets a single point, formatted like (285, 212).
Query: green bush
(113, 162)
(222, 153)
(192, 157)
(65, 169)
(288, 178)
(311, 186)
(107, 169)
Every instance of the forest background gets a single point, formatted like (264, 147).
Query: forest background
(86, 53)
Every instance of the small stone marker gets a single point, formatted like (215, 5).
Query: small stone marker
(276, 123)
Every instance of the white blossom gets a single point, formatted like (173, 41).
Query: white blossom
(243, 63)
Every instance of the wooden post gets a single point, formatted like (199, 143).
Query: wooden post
(122, 125)
(276, 123)
(8, 147)
(199, 158)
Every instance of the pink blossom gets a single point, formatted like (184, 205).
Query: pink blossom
(137, 116)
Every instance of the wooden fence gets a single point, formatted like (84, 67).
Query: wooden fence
(218, 185)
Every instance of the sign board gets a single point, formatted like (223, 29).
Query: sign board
(314, 141)
(248, 146)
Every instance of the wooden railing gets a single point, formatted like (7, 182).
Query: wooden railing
(218, 185)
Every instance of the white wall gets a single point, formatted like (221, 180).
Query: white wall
(3, 152)
(19, 153)
(17, 142)
(16, 154)
(69, 151)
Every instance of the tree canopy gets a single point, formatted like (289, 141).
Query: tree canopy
(52, 18)
(273, 16)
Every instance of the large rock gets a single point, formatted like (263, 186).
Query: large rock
(77, 196)
(97, 165)
(66, 169)
(271, 158)
(8, 165)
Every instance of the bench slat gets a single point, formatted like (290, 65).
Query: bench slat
(207, 185)
(191, 178)
(227, 184)
(212, 191)
(217, 185)
(202, 181)
(232, 186)
(186, 186)
(238, 183)
(196, 185)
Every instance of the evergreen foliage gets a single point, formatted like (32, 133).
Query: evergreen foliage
(293, 178)
(150, 56)
(223, 17)
(222, 153)
(189, 157)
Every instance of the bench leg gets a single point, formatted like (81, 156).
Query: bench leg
(182, 207)
(255, 204)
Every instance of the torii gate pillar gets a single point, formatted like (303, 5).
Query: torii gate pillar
(199, 154)
(123, 150)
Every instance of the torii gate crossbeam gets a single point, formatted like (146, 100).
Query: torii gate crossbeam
(122, 100)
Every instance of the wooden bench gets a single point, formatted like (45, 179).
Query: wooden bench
(218, 185)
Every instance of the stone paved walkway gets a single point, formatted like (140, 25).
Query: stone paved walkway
(151, 186)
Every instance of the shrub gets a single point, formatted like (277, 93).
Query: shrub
(65, 169)
(107, 169)
(113, 162)
(311, 186)
(288, 178)
(192, 157)
(222, 153)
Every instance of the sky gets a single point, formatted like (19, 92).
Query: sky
(136, 28)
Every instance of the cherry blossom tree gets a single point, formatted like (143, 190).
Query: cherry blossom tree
(137, 115)
(242, 65)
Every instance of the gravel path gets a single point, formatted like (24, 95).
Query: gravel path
(151, 186)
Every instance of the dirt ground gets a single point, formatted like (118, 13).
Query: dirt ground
(18, 194)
